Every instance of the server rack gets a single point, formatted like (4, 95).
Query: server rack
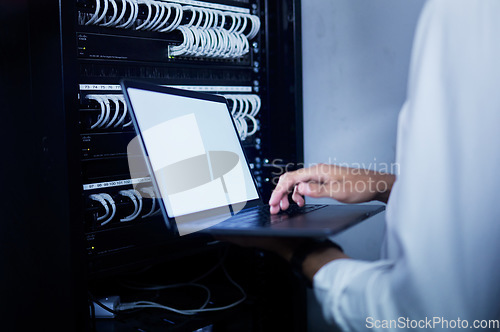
(75, 53)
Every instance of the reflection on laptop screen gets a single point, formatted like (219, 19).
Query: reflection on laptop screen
(194, 151)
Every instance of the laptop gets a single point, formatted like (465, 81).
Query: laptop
(200, 174)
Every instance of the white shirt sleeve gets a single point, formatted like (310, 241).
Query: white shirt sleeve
(443, 216)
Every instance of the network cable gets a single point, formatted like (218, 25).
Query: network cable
(117, 109)
(111, 202)
(128, 306)
(115, 13)
(101, 200)
(136, 199)
(150, 192)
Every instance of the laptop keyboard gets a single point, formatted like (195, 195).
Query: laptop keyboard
(261, 215)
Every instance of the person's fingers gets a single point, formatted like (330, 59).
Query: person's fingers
(288, 181)
(274, 209)
(282, 189)
(284, 203)
(299, 199)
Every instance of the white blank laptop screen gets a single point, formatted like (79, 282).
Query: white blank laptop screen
(194, 152)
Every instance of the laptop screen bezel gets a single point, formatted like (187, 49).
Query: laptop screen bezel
(125, 85)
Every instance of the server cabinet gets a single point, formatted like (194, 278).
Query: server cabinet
(67, 103)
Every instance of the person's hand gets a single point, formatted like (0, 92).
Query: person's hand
(346, 185)
(285, 247)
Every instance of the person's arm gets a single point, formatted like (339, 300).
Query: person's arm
(346, 185)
